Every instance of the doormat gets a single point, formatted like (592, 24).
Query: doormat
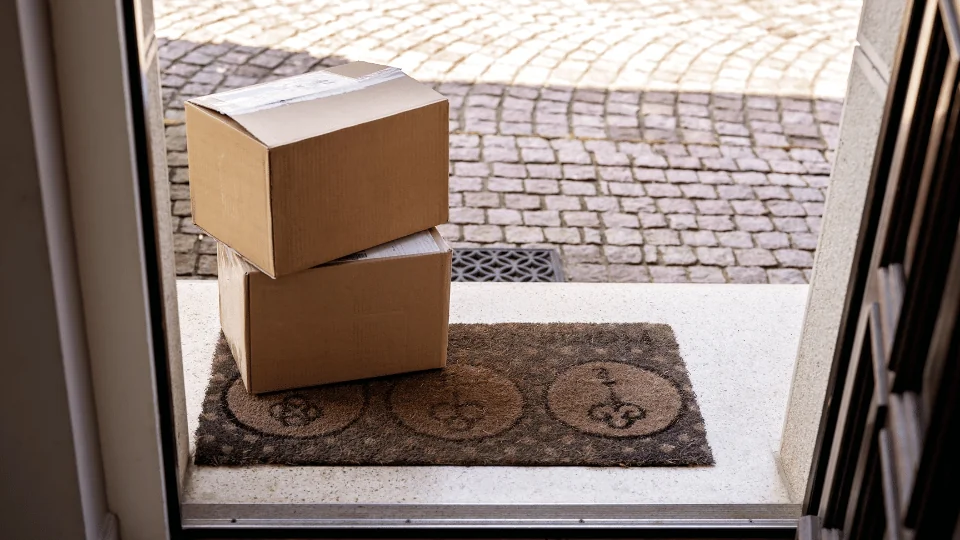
(511, 394)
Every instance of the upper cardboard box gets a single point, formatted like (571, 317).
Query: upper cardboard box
(301, 171)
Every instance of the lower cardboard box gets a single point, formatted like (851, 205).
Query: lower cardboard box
(378, 312)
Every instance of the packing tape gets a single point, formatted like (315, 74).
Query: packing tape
(316, 85)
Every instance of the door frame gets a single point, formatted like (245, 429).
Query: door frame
(122, 272)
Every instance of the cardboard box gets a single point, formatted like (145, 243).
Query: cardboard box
(298, 172)
(378, 312)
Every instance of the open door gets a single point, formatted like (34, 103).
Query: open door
(888, 459)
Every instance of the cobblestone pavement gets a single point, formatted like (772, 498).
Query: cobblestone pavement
(646, 140)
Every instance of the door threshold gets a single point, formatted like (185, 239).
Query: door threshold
(456, 516)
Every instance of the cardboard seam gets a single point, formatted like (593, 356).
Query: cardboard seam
(445, 269)
(271, 234)
(247, 338)
(396, 113)
(232, 124)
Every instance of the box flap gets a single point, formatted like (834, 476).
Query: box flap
(296, 108)
(420, 243)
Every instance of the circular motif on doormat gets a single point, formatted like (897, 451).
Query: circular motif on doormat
(614, 400)
(461, 402)
(312, 412)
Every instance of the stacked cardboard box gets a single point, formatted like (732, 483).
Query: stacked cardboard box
(324, 191)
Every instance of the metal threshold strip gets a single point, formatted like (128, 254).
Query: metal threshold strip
(461, 516)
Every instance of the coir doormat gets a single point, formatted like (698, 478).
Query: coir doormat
(511, 394)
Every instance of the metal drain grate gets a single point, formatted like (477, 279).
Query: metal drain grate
(506, 264)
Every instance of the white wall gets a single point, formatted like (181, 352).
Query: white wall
(52, 480)
(877, 41)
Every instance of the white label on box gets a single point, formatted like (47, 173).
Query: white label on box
(416, 244)
(316, 85)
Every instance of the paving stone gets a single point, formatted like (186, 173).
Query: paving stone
(806, 241)
(603, 204)
(661, 237)
(207, 265)
(187, 226)
(649, 175)
(772, 240)
(677, 255)
(542, 218)
(749, 208)
(750, 275)
(509, 170)
(588, 273)
(668, 274)
(619, 219)
(499, 216)
(786, 208)
(676, 206)
(650, 220)
(482, 233)
(562, 235)
(461, 183)
(791, 225)
(569, 187)
(581, 219)
(591, 235)
(755, 257)
(471, 169)
(181, 208)
(715, 207)
(623, 237)
(628, 273)
(185, 263)
(450, 232)
(562, 202)
(682, 221)
(735, 192)
(505, 184)
(699, 191)
(623, 254)
(699, 238)
(765, 193)
(735, 239)
(626, 190)
(582, 254)
(749, 178)
(534, 153)
(794, 258)
(638, 204)
(715, 223)
(706, 274)
(524, 234)
(813, 208)
(466, 215)
(680, 176)
(207, 246)
(662, 190)
(715, 256)
(806, 194)
(579, 172)
(521, 202)
(482, 199)
(754, 223)
(786, 276)
(184, 243)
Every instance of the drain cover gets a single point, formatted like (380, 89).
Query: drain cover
(506, 264)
